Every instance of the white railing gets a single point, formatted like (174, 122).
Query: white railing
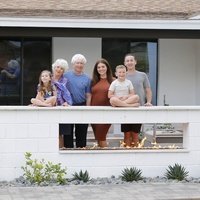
(35, 129)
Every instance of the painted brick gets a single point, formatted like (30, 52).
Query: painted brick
(41, 139)
(14, 130)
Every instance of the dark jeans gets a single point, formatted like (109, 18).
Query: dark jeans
(80, 134)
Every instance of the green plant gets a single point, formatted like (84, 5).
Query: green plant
(38, 171)
(81, 176)
(176, 172)
(132, 174)
(166, 126)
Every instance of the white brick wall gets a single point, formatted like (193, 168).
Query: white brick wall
(35, 129)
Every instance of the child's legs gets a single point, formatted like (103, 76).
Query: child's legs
(115, 102)
(51, 100)
(38, 102)
(132, 99)
(33, 100)
(39, 97)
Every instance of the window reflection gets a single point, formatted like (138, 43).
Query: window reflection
(146, 55)
(10, 71)
(21, 61)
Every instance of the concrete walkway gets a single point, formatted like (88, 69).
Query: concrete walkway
(129, 191)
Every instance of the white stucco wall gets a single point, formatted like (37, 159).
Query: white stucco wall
(38, 134)
(198, 74)
(177, 73)
(67, 47)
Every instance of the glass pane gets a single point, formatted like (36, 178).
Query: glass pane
(10, 68)
(146, 55)
(114, 50)
(139, 49)
(37, 57)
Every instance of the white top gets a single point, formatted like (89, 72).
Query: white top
(121, 88)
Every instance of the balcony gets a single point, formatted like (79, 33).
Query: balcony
(35, 129)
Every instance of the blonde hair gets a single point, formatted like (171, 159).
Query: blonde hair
(120, 67)
(42, 87)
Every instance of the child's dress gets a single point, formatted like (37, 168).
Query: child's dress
(45, 93)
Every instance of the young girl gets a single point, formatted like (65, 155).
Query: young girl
(46, 91)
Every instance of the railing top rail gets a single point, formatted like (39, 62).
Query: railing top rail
(106, 108)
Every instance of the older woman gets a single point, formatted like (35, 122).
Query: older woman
(63, 96)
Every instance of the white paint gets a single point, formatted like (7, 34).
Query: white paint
(178, 73)
(67, 47)
(100, 23)
(35, 129)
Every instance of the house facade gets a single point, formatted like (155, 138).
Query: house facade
(163, 35)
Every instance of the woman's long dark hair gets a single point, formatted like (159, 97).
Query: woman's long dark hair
(96, 76)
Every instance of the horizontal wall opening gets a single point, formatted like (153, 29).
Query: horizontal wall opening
(155, 136)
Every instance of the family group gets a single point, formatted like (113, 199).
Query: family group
(131, 88)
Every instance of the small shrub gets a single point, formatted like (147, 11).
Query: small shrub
(38, 171)
(81, 176)
(176, 172)
(132, 174)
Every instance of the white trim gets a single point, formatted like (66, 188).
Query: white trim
(101, 23)
(195, 17)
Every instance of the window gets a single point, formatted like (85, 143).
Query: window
(21, 61)
(145, 53)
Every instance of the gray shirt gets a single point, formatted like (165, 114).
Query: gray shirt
(140, 82)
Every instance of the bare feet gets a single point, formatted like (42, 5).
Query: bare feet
(134, 105)
(31, 105)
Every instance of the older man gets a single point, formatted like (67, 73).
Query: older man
(79, 86)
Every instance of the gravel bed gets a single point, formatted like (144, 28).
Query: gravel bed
(22, 182)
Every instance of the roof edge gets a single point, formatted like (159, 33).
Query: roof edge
(94, 14)
(100, 23)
